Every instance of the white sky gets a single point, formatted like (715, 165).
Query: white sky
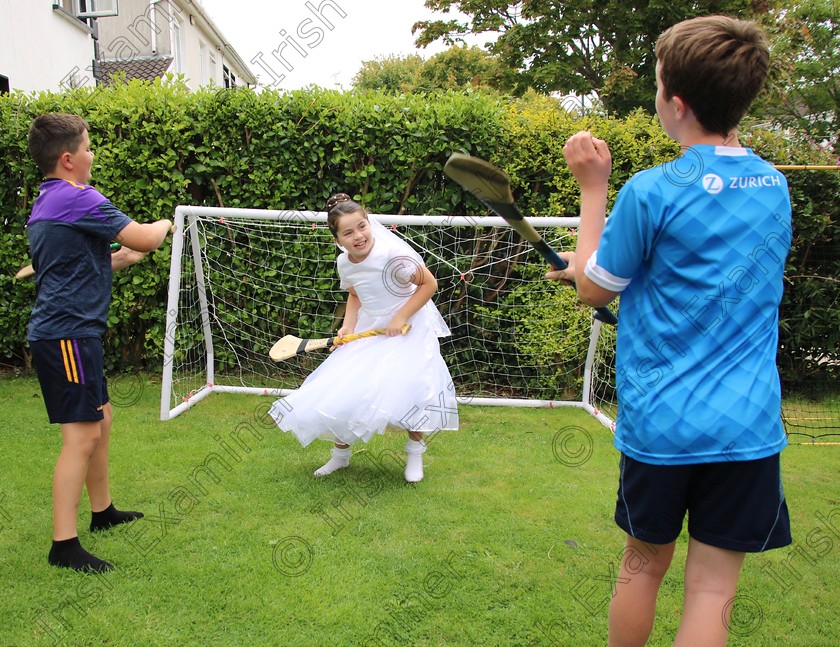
(371, 29)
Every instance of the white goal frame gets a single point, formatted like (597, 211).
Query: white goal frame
(186, 218)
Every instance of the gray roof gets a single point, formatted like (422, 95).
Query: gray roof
(146, 69)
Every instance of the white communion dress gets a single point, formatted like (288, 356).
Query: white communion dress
(375, 383)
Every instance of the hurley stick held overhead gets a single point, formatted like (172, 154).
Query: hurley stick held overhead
(491, 185)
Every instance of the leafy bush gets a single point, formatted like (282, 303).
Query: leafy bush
(809, 357)
(158, 145)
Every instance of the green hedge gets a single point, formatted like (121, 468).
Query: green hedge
(158, 145)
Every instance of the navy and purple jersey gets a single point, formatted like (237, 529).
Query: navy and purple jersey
(697, 248)
(70, 231)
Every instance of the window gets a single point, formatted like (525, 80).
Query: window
(207, 57)
(72, 80)
(4, 85)
(177, 32)
(211, 67)
(228, 77)
(95, 8)
(202, 59)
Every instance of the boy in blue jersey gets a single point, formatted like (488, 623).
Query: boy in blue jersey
(697, 249)
(70, 231)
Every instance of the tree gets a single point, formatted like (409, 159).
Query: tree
(457, 68)
(576, 46)
(464, 67)
(804, 90)
(392, 74)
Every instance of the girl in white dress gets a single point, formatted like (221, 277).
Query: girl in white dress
(393, 380)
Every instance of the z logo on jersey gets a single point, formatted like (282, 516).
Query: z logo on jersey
(713, 183)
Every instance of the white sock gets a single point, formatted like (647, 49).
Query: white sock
(414, 460)
(340, 459)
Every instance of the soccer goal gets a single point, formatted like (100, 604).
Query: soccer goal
(240, 279)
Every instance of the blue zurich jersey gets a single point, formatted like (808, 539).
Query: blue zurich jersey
(697, 248)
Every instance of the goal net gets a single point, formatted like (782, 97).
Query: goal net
(241, 279)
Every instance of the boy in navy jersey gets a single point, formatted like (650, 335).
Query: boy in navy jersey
(70, 231)
(697, 249)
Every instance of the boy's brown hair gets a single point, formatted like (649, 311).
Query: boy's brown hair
(52, 134)
(717, 65)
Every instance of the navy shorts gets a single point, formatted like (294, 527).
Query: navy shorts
(736, 505)
(72, 377)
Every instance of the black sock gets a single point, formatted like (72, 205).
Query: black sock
(110, 517)
(68, 553)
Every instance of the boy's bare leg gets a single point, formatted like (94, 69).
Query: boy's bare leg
(633, 605)
(711, 579)
(97, 475)
(79, 442)
(103, 513)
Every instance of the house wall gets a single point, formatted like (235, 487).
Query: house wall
(140, 31)
(41, 49)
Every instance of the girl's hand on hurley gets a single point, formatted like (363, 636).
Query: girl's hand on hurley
(589, 159)
(395, 327)
(344, 330)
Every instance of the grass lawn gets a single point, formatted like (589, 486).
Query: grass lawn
(508, 541)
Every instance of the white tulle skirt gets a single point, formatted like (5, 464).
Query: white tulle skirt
(372, 384)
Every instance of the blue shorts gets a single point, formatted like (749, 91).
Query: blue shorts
(72, 377)
(736, 505)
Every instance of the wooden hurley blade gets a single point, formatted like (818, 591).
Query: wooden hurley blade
(484, 180)
(25, 272)
(289, 346)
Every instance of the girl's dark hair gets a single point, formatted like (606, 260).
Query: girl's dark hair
(339, 205)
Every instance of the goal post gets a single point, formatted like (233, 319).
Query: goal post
(242, 278)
